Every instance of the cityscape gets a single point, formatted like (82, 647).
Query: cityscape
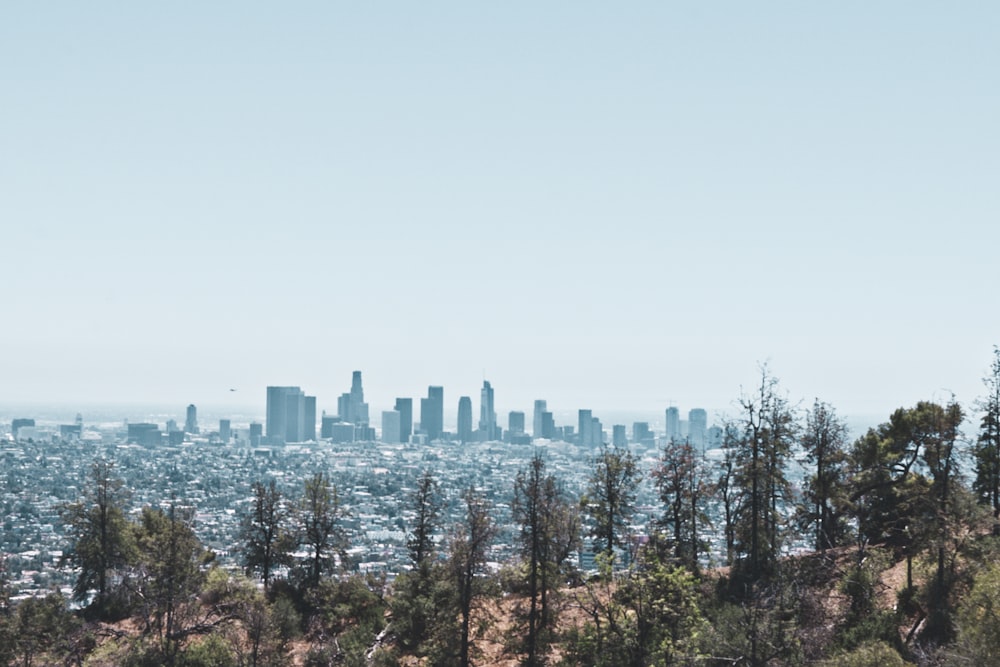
(211, 467)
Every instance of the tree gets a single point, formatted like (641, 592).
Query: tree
(680, 480)
(979, 620)
(321, 515)
(726, 489)
(423, 593)
(611, 496)
(170, 560)
(768, 431)
(426, 509)
(264, 530)
(649, 615)
(987, 448)
(469, 549)
(100, 538)
(39, 626)
(825, 443)
(548, 532)
(905, 488)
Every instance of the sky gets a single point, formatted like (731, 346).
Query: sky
(607, 205)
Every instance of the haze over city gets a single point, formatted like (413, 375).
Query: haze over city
(607, 207)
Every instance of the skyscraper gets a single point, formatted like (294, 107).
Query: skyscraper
(225, 430)
(618, 437)
(465, 419)
(288, 415)
(432, 413)
(487, 415)
(351, 406)
(404, 406)
(309, 421)
(697, 427)
(537, 426)
(585, 423)
(673, 431)
(191, 421)
(390, 426)
(548, 425)
(515, 422)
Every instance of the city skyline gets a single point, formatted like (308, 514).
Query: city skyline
(615, 207)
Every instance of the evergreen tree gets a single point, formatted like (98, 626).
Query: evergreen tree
(170, 560)
(101, 543)
(549, 530)
(987, 448)
(610, 498)
(426, 508)
(321, 516)
(469, 549)
(768, 432)
(422, 594)
(264, 530)
(680, 480)
(825, 443)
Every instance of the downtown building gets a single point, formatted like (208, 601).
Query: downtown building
(291, 415)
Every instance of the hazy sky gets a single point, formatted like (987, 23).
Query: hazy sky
(608, 205)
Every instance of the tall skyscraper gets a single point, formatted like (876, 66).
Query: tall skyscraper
(288, 413)
(618, 437)
(351, 406)
(487, 415)
(191, 421)
(596, 432)
(537, 430)
(697, 427)
(515, 422)
(225, 431)
(465, 419)
(432, 413)
(404, 406)
(548, 425)
(585, 423)
(673, 430)
(390, 426)
(309, 422)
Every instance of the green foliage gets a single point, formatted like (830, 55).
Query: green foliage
(825, 505)
(762, 451)
(869, 654)
(549, 530)
(610, 498)
(469, 549)
(681, 480)
(41, 625)
(209, 651)
(349, 614)
(426, 505)
(101, 543)
(321, 516)
(987, 448)
(651, 616)
(758, 630)
(169, 565)
(423, 608)
(978, 620)
(266, 532)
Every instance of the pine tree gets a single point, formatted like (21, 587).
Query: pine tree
(824, 441)
(101, 543)
(264, 530)
(610, 498)
(987, 447)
